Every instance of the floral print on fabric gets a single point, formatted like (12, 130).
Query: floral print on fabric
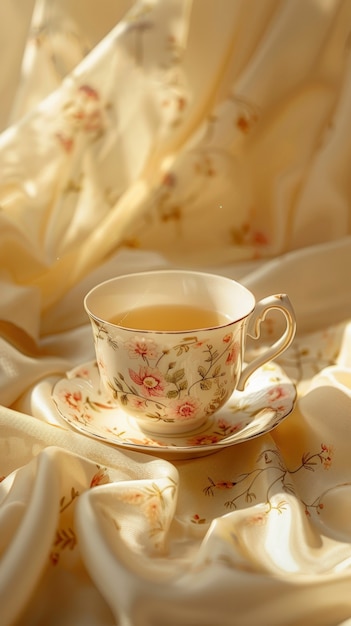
(271, 469)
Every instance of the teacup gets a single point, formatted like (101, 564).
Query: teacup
(170, 344)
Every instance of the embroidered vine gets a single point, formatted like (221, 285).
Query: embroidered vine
(153, 504)
(270, 462)
(66, 538)
(64, 504)
(304, 362)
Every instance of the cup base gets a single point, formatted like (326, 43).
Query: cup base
(163, 428)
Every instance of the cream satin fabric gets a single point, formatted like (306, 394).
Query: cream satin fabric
(191, 133)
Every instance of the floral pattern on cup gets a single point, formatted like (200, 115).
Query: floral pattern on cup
(84, 405)
(156, 383)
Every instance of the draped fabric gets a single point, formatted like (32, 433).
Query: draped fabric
(174, 133)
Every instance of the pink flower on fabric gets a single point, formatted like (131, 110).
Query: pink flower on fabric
(151, 381)
(66, 142)
(259, 238)
(152, 511)
(257, 520)
(326, 455)
(86, 109)
(90, 92)
(145, 348)
(100, 478)
(186, 409)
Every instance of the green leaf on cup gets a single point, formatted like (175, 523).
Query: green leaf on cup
(202, 371)
(173, 393)
(205, 384)
(176, 376)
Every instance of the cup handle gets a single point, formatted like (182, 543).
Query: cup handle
(283, 304)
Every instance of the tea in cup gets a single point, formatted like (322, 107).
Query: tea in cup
(170, 344)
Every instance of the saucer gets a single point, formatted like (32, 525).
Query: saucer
(268, 398)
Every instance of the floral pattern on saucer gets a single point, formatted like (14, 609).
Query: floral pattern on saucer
(268, 398)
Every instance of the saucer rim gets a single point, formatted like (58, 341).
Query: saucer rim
(197, 450)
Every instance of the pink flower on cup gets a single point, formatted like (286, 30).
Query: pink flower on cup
(227, 338)
(233, 354)
(276, 393)
(186, 408)
(149, 379)
(144, 348)
(139, 404)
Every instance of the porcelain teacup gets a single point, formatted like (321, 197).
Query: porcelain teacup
(170, 344)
